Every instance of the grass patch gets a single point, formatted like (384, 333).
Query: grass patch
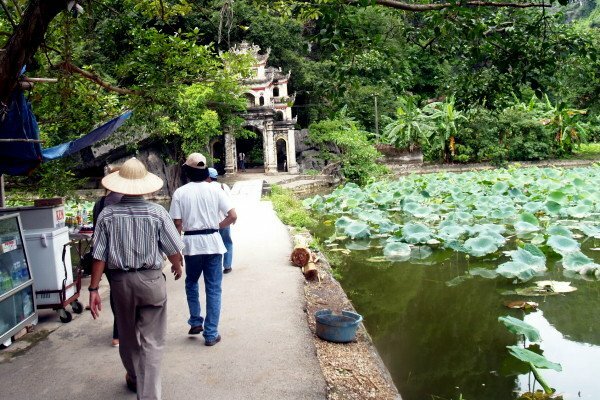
(289, 208)
(587, 151)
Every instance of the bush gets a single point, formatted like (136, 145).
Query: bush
(289, 209)
(340, 140)
(524, 136)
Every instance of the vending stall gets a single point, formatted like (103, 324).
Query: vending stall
(17, 300)
(49, 258)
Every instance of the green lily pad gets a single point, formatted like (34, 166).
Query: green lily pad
(481, 245)
(397, 251)
(536, 360)
(563, 245)
(416, 233)
(519, 327)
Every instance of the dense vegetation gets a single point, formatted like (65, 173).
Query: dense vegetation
(462, 83)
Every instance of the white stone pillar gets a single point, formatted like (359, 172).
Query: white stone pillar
(230, 153)
(291, 152)
(270, 154)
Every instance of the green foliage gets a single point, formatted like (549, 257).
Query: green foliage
(289, 209)
(409, 130)
(341, 141)
(476, 213)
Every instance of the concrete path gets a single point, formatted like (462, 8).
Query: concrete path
(267, 350)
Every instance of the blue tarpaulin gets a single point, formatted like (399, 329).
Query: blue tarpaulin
(20, 149)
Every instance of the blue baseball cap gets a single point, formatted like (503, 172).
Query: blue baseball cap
(213, 173)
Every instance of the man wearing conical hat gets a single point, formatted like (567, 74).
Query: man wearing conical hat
(129, 239)
(196, 209)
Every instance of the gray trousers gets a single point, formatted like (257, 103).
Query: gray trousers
(140, 300)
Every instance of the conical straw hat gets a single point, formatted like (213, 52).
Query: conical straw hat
(132, 179)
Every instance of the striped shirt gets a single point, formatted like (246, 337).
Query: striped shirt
(134, 233)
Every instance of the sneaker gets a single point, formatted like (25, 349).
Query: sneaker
(227, 270)
(213, 342)
(114, 343)
(194, 330)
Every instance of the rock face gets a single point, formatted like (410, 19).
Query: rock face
(152, 153)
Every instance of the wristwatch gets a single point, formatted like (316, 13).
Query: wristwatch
(93, 289)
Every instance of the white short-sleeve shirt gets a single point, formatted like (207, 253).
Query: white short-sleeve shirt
(198, 205)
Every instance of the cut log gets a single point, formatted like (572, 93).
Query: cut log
(300, 256)
(310, 271)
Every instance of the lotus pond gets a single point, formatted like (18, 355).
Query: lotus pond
(432, 261)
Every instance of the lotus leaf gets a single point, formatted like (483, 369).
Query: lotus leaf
(581, 211)
(519, 327)
(517, 269)
(451, 232)
(350, 203)
(481, 245)
(530, 218)
(555, 286)
(535, 359)
(522, 227)
(553, 207)
(357, 230)
(416, 233)
(521, 255)
(422, 212)
(579, 262)
(559, 230)
(533, 207)
(563, 245)
(558, 197)
(500, 187)
(397, 251)
(343, 222)
(590, 230)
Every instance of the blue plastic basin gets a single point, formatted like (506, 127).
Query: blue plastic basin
(339, 328)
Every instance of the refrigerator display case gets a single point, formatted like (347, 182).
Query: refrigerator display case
(17, 300)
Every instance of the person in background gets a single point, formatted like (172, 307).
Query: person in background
(108, 199)
(242, 162)
(196, 208)
(225, 232)
(130, 239)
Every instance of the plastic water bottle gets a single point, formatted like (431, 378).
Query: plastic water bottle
(16, 273)
(27, 304)
(3, 282)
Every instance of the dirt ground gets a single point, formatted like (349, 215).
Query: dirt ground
(352, 370)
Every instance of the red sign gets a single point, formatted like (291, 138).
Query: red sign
(60, 215)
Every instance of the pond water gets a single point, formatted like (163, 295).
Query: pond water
(440, 337)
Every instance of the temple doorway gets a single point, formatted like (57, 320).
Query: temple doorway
(253, 149)
(281, 145)
(218, 154)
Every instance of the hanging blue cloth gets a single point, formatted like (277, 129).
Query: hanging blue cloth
(20, 149)
(94, 136)
(22, 156)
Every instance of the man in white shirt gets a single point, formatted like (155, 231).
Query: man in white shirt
(196, 208)
(224, 232)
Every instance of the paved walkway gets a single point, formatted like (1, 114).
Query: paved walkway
(267, 350)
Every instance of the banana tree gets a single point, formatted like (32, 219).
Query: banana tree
(445, 119)
(408, 130)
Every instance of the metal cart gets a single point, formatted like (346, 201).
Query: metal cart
(64, 301)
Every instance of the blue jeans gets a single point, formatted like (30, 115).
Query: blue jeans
(227, 257)
(211, 266)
